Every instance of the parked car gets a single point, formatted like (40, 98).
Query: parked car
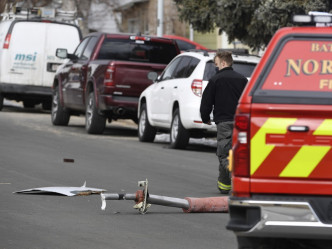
(27, 56)
(282, 156)
(172, 103)
(105, 76)
(185, 43)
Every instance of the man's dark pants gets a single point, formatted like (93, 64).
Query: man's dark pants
(224, 144)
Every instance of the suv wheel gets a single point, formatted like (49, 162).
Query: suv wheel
(59, 115)
(94, 122)
(146, 133)
(179, 136)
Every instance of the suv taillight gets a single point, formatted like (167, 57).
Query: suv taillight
(241, 147)
(109, 75)
(196, 87)
(7, 41)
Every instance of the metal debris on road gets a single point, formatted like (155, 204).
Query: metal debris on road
(144, 200)
(67, 191)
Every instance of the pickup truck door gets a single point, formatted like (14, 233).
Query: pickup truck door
(76, 77)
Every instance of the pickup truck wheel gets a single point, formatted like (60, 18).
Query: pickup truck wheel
(179, 136)
(146, 132)
(94, 122)
(28, 104)
(59, 115)
(1, 101)
(47, 105)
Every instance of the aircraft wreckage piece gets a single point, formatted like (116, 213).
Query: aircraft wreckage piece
(144, 200)
(67, 191)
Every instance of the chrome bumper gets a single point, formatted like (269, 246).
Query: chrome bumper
(284, 219)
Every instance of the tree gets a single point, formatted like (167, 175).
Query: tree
(253, 22)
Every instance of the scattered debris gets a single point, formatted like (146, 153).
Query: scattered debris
(144, 200)
(67, 191)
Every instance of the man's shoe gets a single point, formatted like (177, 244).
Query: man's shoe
(223, 191)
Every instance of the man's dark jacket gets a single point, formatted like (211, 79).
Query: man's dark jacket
(222, 95)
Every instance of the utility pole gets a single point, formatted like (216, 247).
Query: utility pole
(160, 18)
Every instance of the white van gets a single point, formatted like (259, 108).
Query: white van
(27, 58)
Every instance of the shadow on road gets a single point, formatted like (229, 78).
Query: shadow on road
(120, 128)
(18, 108)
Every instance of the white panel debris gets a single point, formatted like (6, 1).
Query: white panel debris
(67, 191)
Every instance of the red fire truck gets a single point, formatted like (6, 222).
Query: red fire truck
(282, 156)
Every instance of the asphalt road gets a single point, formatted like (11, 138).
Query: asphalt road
(32, 155)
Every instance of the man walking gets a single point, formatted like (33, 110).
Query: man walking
(221, 95)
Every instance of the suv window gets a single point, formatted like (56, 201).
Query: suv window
(185, 67)
(139, 51)
(191, 67)
(244, 68)
(210, 70)
(299, 72)
(169, 71)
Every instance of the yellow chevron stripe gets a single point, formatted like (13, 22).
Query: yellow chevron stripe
(325, 128)
(305, 161)
(259, 149)
(308, 157)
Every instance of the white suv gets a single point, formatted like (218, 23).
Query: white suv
(172, 103)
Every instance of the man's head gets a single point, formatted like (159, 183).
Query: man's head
(223, 59)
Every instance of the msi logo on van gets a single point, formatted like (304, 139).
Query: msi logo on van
(26, 57)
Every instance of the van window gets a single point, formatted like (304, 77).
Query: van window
(299, 72)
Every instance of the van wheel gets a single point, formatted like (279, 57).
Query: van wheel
(94, 122)
(59, 115)
(179, 136)
(146, 132)
(1, 101)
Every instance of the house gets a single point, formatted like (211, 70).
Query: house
(141, 16)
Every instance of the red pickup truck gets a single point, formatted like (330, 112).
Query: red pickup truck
(282, 144)
(105, 76)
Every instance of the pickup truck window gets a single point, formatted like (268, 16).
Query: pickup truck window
(139, 51)
(79, 50)
(89, 48)
(299, 72)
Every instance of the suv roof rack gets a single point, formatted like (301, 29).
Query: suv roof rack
(205, 52)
